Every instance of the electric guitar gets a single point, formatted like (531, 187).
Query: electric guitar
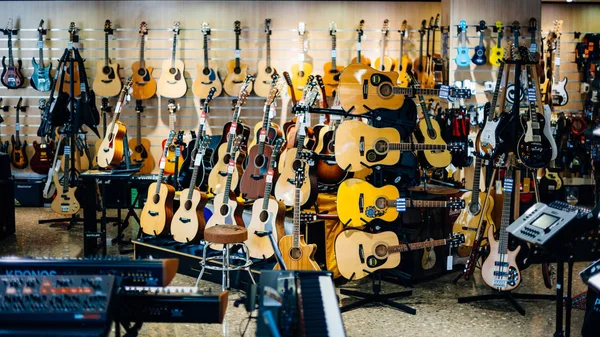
(69, 78)
(500, 270)
(359, 254)
(18, 154)
(141, 153)
(479, 58)
(359, 203)
(404, 62)
(173, 160)
(497, 52)
(485, 143)
(41, 161)
(157, 213)
(462, 58)
(420, 64)
(237, 71)
(429, 258)
(301, 70)
(11, 74)
(560, 96)
(262, 84)
(111, 150)
(331, 69)
(533, 50)
(384, 62)
(144, 85)
(107, 82)
(41, 80)
(207, 76)
(65, 202)
(171, 83)
(296, 254)
(360, 58)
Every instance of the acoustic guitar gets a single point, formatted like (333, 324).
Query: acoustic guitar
(144, 85)
(18, 153)
(497, 52)
(434, 66)
(560, 97)
(359, 254)
(173, 159)
(108, 81)
(331, 69)
(426, 80)
(207, 76)
(69, 78)
(420, 63)
(384, 62)
(301, 70)
(157, 213)
(237, 71)
(65, 202)
(172, 83)
(41, 161)
(140, 147)
(41, 80)
(404, 62)
(486, 141)
(110, 153)
(329, 173)
(11, 76)
(264, 76)
(359, 57)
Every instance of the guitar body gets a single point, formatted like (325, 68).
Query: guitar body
(11, 75)
(403, 71)
(144, 85)
(328, 171)
(560, 96)
(331, 77)
(363, 60)
(234, 80)
(285, 188)
(41, 80)
(254, 178)
(171, 155)
(533, 153)
(188, 222)
(468, 220)
(272, 219)
(354, 265)
(419, 68)
(489, 268)
(302, 258)
(486, 140)
(388, 64)
(241, 130)
(462, 58)
(379, 95)
(157, 213)
(349, 136)
(496, 55)
(218, 175)
(274, 131)
(479, 57)
(110, 152)
(299, 78)
(74, 78)
(171, 83)
(354, 192)
(262, 83)
(141, 154)
(107, 82)
(429, 258)
(229, 213)
(18, 154)
(436, 158)
(41, 162)
(65, 202)
(206, 78)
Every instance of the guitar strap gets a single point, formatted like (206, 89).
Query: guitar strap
(93, 115)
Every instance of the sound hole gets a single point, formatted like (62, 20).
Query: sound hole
(380, 202)
(296, 253)
(156, 198)
(259, 160)
(268, 70)
(141, 72)
(381, 250)
(237, 70)
(297, 164)
(206, 71)
(139, 148)
(301, 73)
(386, 90)
(263, 216)
(224, 210)
(226, 158)
(106, 70)
(188, 205)
(171, 148)
(381, 146)
(172, 71)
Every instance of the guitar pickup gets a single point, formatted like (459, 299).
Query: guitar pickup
(152, 213)
(184, 220)
(535, 125)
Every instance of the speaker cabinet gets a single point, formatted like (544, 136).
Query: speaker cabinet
(7, 208)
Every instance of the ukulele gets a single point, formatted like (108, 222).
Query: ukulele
(188, 222)
(359, 203)
(359, 58)
(296, 254)
(68, 77)
(237, 72)
(560, 97)
(141, 154)
(144, 85)
(384, 62)
(486, 140)
(462, 58)
(262, 84)
(110, 153)
(500, 270)
(171, 83)
(268, 214)
(173, 160)
(107, 82)
(41, 161)
(331, 69)
(479, 58)
(207, 76)
(11, 75)
(157, 213)
(404, 63)
(420, 63)
(497, 52)
(65, 202)
(18, 154)
(41, 80)
(359, 254)
(301, 70)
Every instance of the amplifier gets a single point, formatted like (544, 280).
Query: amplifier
(5, 172)
(28, 192)
(7, 208)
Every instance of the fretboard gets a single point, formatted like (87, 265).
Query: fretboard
(296, 230)
(416, 245)
(142, 58)
(268, 50)
(173, 53)
(10, 52)
(492, 112)
(205, 51)
(237, 50)
(333, 51)
(416, 147)
(557, 61)
(41, 51)
(419, 203)
(138, 134)
(506, 212)
(106, 49)
(416, 91)
(476, 180)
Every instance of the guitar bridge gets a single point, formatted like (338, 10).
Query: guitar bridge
(184, 220)
(152, 213)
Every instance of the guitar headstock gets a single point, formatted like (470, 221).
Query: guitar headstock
(237, 143)
(9, 26)
(462, 26)
(403, 31)
(430, 27)
(361, 28)
(143, 28)
(455, 240)
(18, 106)
(481, 26)
(288, 79)
(179, 138)
(499, 26)
(332, 28)
(205, 28)
(172, 107)
(301, 28)
(436, 23)
(299, 166)
(455, 203)
(557, 28)
(72, 33)
(386, 27)
(277, 145)
(516, 26)
(244, 89)
(268, 26)
(41, 30)
(175, 28)
(209, 97)
(533, 25)
(272, 95)
(423, 27)
(42, 104)
(237, 27)
(108, 27)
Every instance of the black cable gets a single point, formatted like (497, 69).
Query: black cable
(248, 319)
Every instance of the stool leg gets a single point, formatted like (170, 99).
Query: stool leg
(202, 263)
(246, 251)
(228, 267)
(225, 266)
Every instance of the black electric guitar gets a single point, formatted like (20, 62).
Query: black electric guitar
(11, 75)
(18, 154)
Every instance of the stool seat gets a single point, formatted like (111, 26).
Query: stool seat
(225, 234)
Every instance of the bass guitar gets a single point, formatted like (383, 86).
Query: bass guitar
(384, 62)
(65, 202)
(157, 213)
(108, 81)
(41, 80)
(11, 74)
(497, 52)
(207, 76)
(41, 161)
(462, 58)
(404, 62)
(173, 160)
(479, 58)
(331, 69)
(172, 83)
(111, 150)
(237, 71)
(359, 57)
(18, 154)
(485, 143)
(560, 97)
(301, 70)
(264, 77)
(141, 153)
(144, 85)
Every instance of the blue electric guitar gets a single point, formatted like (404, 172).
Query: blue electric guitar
(479, 57)
(462, 59)
(40, 78)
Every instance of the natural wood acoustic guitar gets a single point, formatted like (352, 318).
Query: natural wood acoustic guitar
(207, 76)
(264, 76)
(237, 71)
(110, 153)
(171, 83)
(107, 82)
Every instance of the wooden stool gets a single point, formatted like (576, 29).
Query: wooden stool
(225, 236)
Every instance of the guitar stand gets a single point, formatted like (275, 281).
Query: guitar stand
(508, 296)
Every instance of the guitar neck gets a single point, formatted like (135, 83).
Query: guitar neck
(419, 203)
(416, 147)
(41, 51)
(229, 178)
(67, 173)
(499, 42)
(358, 48)
(506, 213)
(174, 52)
(333, 51)
(238, 52)
(10, 51)
(106, 49)
(476, 180)
(206, 51)
(557, 60)
(195, 172)
(416, 91)
(142, 58)
(382, 53)
(265, 129)
(296, 230)
(492, 112)
(302, 56)
(268, 50)
(139, 127)
(416, 245)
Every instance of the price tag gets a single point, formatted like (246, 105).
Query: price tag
(269, 178)
(401, 205)
(498, 187)
(202, 118)
(557, 61)
(237, 53)
(162, 163)
(451, 169)
(177, 151)
(231, 166)
(358, 46)
(272, 111)
(508, 185)
(333, 53)
(67, 150)
(118, 107)
(531, 95)
(262, 135)
(301, 57)
(232, 128)
(198, 159)
(18, 127)
(444, 92)
(449, 262)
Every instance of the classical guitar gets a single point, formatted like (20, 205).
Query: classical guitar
(69, 78)
(360, 58)
(560, 97)
(268, 214)
(497, 52)
(500, 270)
(363, 89)
(297, 255)
(65, 202)
(429, 77)
(420, 63)
(18, 153)
(436, 67)
(462, 58)
(359, 254)
(384, 62)
(157, 213)
(140, 147)
(172, 150)
(358, 144)
(479, 58)
(301, 70)
(332, 69)
(188, 222)
(144, 85)
(41, 80)
(237, 71)
(110, 153)
(359, 203)
(207, 76)
(11, 74)
(107, 82)
(404, 62)
(262, 84)
(41, 161)
(485, 143)
(172, 83)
